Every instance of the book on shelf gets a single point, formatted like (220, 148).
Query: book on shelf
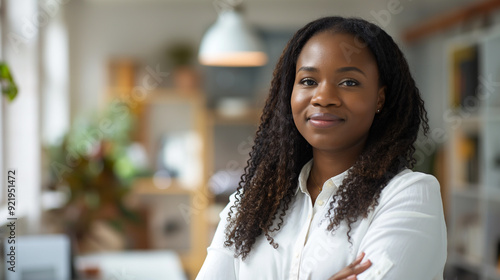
(498, 255)
(465, 70)
(468, 151)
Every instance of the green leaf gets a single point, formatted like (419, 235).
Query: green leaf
(9, 87)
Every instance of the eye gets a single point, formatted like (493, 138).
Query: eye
(307, 82)
(349, 83)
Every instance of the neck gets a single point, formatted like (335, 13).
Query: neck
(329, 164)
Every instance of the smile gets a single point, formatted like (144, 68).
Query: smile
(324, 120)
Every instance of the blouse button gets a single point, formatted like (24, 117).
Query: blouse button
(321, 202)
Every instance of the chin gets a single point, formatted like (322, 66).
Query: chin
(325, 146)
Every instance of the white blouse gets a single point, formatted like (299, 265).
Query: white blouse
(404, 237)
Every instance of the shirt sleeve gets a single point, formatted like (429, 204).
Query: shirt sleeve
(220, 261)
(407, 236)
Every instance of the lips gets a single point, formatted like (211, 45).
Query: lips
(324, 120)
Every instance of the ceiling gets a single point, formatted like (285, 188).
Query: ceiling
(418, 9)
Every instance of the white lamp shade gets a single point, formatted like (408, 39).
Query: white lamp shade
(231, 42)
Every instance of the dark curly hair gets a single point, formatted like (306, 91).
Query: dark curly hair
(279, 152)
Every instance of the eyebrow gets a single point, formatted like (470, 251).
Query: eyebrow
(307, 69)
(349, 69)
(340, 70)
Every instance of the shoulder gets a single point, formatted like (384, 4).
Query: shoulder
(408, 180)
(413, 190)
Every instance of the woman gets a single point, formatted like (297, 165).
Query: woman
(328, 180)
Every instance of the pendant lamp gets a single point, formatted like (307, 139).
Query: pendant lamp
(231, 42)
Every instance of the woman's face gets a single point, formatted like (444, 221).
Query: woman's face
(336, 92)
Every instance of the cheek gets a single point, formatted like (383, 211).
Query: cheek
(301, 97)
(297, 103)
(363, 111)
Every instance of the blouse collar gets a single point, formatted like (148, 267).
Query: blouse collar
(304, 175)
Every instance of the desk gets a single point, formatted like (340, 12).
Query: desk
(134, 265)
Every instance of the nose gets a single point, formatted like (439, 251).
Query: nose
(326, 94)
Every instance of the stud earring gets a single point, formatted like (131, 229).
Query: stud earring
(378, 110)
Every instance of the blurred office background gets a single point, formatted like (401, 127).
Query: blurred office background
(126, 147)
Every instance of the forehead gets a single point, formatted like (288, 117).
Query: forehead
(337, 48)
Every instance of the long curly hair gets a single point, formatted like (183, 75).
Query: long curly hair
(271, 176)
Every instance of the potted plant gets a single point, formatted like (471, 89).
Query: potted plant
(181, 57)
(98, 176)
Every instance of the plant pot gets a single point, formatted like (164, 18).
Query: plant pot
(186, 78)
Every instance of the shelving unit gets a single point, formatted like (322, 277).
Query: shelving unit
(175, 202)
(172, 127)
(473, 213)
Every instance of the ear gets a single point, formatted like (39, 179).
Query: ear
(381, 98)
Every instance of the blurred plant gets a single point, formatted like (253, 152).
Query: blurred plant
(9, 87)
(93, 163)
(180, 54)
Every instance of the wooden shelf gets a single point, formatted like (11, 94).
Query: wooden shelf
(160, 186)
(446, 20)
(249, 117)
